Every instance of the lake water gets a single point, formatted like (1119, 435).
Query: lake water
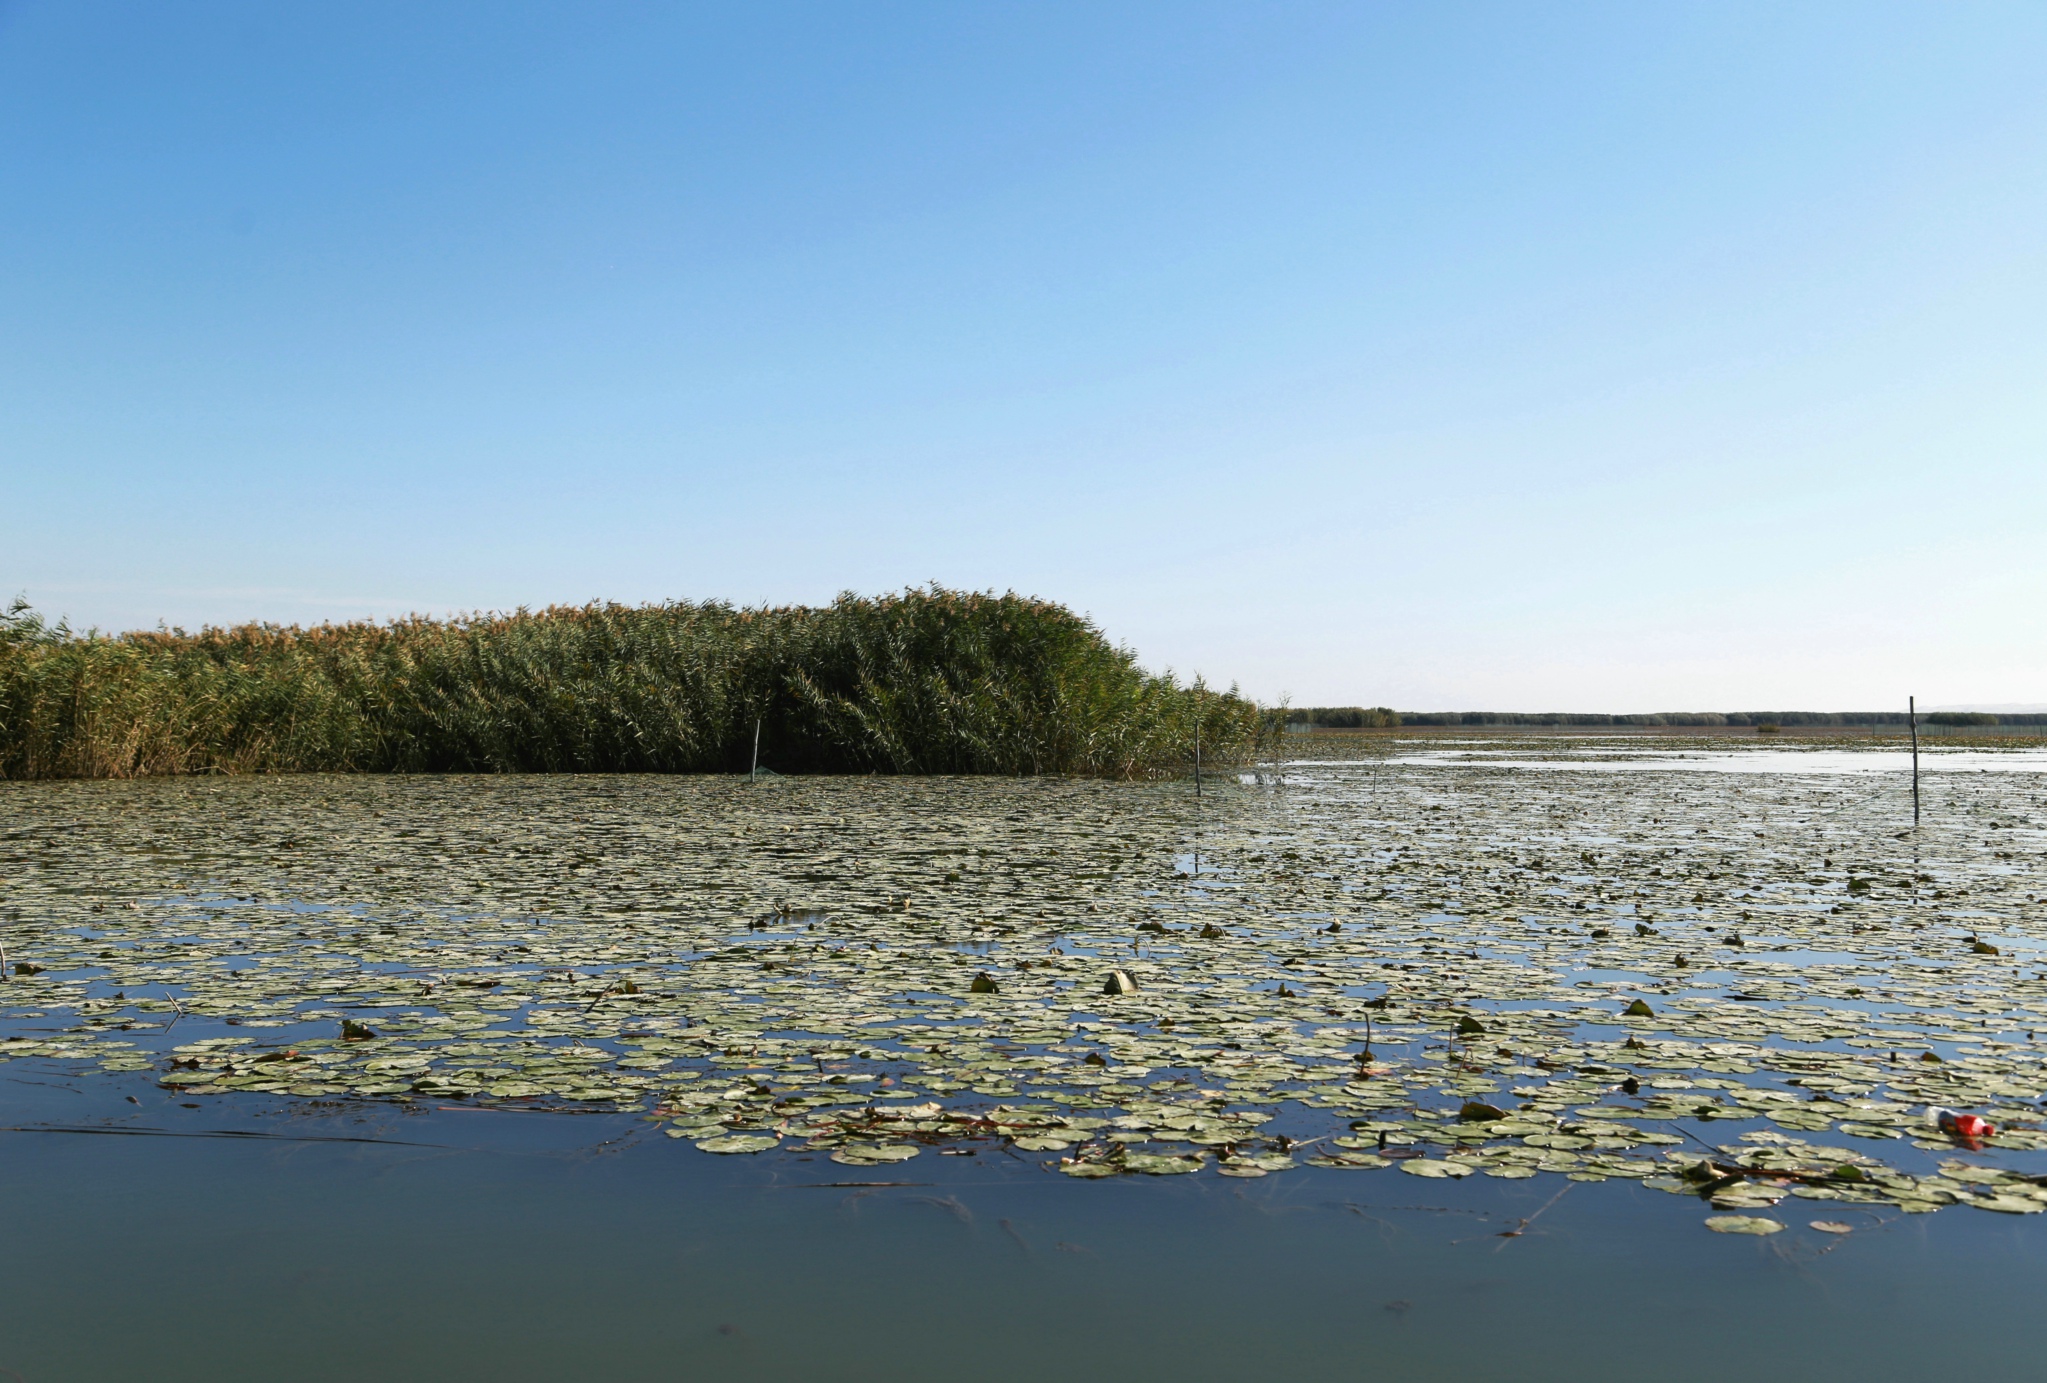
(523, 1254)
(569, 984)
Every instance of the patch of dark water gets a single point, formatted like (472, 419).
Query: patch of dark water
(478, 1245)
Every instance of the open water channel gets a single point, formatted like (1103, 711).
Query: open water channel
(624, 1078)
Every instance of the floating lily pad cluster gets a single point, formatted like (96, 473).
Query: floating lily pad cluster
(1689, 980)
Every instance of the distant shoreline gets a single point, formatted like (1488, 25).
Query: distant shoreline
(1662, 722)
(1574, 730)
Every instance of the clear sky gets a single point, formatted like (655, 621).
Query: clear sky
(1597, 357)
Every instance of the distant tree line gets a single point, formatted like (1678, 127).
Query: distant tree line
(1344, 717)
(1379, 717)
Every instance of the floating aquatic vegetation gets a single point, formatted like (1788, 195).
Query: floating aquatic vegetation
(1716, 985)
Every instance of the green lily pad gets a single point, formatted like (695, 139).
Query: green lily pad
(1430, 1167)
(1344, 1158)
(874, 1154)
(2007, 1204)
(1089, 1169)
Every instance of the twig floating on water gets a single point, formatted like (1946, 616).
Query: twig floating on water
(219, 1133)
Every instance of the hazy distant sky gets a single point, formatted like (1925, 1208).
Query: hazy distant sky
(1520, 356)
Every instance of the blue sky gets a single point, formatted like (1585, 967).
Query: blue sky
(1600, 357)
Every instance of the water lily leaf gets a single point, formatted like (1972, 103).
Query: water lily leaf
(1089, 1169)
(1344, 1158)
(1430, 1167)
(1742, 1224)
(2008, 1204)
(874, 1154)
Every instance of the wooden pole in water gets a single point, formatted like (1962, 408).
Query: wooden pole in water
(1912, 718)
(755, 771)
(1197, 778)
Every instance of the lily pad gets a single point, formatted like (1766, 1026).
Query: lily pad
(874, 1154)
(1431, 1167)
(2007, 1204)
(1089, 1169)
(1343, 1158)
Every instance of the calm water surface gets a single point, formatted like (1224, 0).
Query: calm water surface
(564, 1247)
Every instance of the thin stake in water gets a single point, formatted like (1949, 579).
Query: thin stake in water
(1912, 718)
(1197, 776)
(755, 772)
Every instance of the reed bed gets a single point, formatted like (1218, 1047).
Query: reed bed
(925, 681)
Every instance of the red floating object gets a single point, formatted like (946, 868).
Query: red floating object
(1967, 1127)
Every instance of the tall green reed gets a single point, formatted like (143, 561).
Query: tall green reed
(925, 681)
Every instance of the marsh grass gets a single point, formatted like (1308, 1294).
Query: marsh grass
(925, 681)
